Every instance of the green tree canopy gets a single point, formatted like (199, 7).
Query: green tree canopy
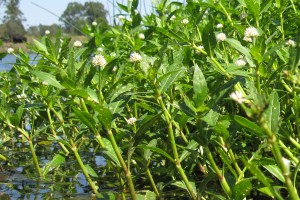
(77, 15)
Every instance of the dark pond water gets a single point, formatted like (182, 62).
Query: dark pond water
(18, 177)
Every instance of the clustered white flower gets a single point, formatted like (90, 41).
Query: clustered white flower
(94, 23)
(291, 43)
(10, 50)
(240, 62)
(77, 43)
(99, 60)
(141, 36)
(135, 57)
(173, 17)
(200, 47)
(47, 32)
(185, 21)
(221, 37)
(237, 96)
(219, 26)
(250, 33)
(131, 120)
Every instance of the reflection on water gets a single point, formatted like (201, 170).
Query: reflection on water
(18, 179)
(8, 61)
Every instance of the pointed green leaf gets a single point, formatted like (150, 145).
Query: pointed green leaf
(90, 171)
(248, 124)
(272, 113)
(157, 150)
(199, 86)
(57, 160)
(110, 153)
(242, 189)
(168, 79)
(275, 171)
(48, 78)
(85, 118)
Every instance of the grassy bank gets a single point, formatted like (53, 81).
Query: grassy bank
(30, 40)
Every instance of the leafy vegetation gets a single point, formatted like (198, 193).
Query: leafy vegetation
(198, 100)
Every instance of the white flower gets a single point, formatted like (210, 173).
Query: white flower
(237, 96)
(77, 43)
(99, 60)
(113, 54)
(221, 37)
(219, 26)
(135, 57)
(141, 36)
(129, 19)
(251, 32)
(94, 23)
(10, 50)
(173, 17)
(287, 164)
(114, 69)
(247, 39)
(100, 49)
(47, 32)
(131, 120)
(136, 12)
(185, 21)
(240, 62)
(200, 47)
(291, 43)
(121, 17)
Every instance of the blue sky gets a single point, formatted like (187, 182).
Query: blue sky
(35, 15)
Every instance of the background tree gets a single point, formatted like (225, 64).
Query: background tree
(76, 16)
(13, 28)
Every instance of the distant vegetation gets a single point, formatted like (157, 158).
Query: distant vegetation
(74, 20)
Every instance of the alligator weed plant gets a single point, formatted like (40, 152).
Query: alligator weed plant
(197, 100)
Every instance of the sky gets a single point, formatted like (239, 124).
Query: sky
(35, 15)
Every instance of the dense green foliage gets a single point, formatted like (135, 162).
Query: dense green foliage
(201, 98)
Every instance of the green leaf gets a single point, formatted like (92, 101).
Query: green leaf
(40, 46)
(90, 170)
(168, 79)
(147, 152)
(239, 47)
(105, 116)
(15, 119)
(199, 86)
(85, 118)
(110, 153)
(148, 196)
(242, 189)
(191, 147)
(182, 185)
(209, 38)
(272, 113)
(57, 160)
(275, 171)
(157, 150)
(48, 78)
(254, 8)
(248, 124)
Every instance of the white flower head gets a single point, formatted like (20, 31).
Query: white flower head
(247, 39)
(200, 47)
(136, 12)
(10, 50)
(185, 21)
(221, 37)
(114, 69)
(99, 60)
(219, 26)
(237, 96)
(141, 36)
(121, 17)
(131, 120)
(291, 43)
(94, 23)
(135, 57)
(47, 32)
(251, 32)
(173, 17)
(129, 19)
(77, 43)
(100, 49)
(287, 164)
(240, 62)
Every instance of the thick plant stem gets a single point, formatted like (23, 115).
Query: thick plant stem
(172, 141)
(287, 151)
(272, 140)
(222, 179)
(152, 183)
(85, 172)
(35, 160)
(123, 164)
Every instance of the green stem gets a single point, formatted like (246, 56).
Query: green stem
(152, 182)
(3, 157)
(294, 142)
(172, 141)
(222, 179)
(35, 160)
(272, 140)
(85, 172)
(123, 164)
(287, 151)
